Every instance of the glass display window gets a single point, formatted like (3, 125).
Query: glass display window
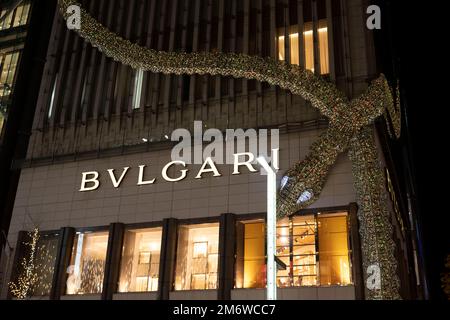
(197, 257)
(139, 268)
(87, 263)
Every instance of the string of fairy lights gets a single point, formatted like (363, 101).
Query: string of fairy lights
(351, 129)
(23, 286)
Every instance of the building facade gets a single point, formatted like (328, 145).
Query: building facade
(201, 237)
(24, 35)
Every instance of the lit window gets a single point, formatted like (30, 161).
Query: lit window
(8, 72)
(308, 47)
(137, 90)
(300, 235)
(7, 21)
(8, 66)
(21, 15)
(302, 241)
(139, 271)
(17, 17)
(250, 252)
(87, 264)
(197, 257)
(334, 250)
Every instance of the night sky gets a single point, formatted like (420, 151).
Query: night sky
(413, 53)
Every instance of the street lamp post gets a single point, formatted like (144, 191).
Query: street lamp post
(271, 228)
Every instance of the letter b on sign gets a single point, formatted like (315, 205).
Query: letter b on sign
(374, 20)
(74, 18)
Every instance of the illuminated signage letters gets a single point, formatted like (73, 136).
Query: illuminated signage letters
(90, 181)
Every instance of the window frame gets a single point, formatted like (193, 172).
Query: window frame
(85, 230)
(140, 226)
(21, 253)
(353, 263)
(193, 222)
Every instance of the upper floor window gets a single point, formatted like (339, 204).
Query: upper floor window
(307, 47)
(17, 17)
(139, 270)
(197, 257)
(137, 88)
(251, 254)
(8, 68)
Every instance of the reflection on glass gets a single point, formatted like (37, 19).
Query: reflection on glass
(296, 249)
(251, 262)
(46, 252)
(139, 270)
(333, 250)
(87, 264)
(308, 45)
(197, 257)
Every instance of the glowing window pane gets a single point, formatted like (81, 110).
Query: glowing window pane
(87, 264)
(307, 46)
(334, 250)
(197, 257)
(139, 270)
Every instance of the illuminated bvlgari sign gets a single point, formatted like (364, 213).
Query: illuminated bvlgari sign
(90, 181)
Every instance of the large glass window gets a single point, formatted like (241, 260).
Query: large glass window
(313, 249)
(139, 271)
(197, 257)
(87, 264)
(137, 88)
(46, 252)
(17, 17)
(21, 15)
(308, 47)
(296, 247)
(334, 250)
(251, 251)
(8, 71)
(7, 21)
(8, 66)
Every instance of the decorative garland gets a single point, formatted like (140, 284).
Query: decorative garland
(375, 228)
(22, 288)
(350, 129)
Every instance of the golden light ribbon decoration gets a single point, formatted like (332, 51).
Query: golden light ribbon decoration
(350, 129)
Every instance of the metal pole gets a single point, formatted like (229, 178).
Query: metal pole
(271, 228)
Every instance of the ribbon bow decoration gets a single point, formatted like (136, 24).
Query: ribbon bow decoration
(350, 129)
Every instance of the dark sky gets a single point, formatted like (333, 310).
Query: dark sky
(414, 53)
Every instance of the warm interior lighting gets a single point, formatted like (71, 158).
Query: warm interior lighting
(139, 270)
(197, 257)
(334, 250)
(87, 264)
(308, 47)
